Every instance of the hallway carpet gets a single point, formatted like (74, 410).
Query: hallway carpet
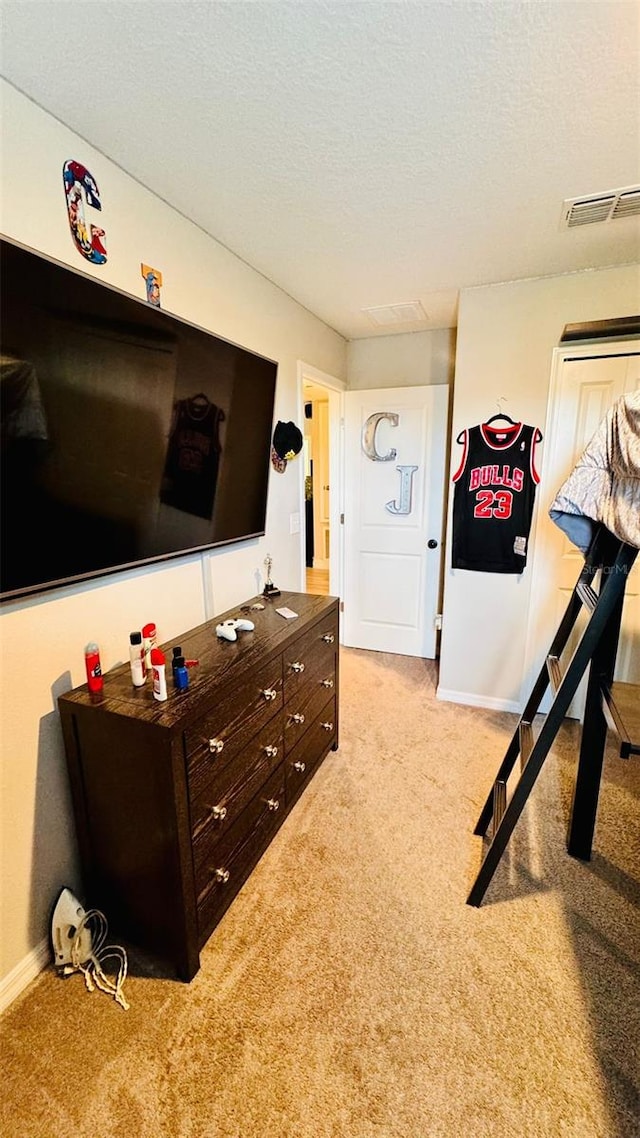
(349, 992)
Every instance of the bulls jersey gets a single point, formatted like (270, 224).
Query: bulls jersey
(493, 498)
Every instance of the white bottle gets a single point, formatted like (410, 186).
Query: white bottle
(159, 677)
(136, 659)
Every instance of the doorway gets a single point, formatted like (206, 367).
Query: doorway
(321, 416)
(316, 488)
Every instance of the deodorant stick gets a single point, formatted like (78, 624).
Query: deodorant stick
(158, 671)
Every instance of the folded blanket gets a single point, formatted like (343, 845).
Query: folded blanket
(604, 486)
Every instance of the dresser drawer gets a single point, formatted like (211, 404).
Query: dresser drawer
(304, 706)
(215, 739)
(224, 866)
(303, 759)
(312, 652)
(228, 792)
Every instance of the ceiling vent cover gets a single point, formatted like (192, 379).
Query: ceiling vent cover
(390, 315)
(601, 207)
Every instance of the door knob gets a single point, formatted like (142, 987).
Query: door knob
(432, 543)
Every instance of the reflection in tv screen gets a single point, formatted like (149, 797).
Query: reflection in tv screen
(128, 435)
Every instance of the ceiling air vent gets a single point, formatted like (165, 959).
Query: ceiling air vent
(600, 207)
(390, 315)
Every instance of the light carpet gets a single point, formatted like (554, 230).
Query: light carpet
(350, 992)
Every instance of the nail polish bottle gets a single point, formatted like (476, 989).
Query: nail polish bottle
(180, 674)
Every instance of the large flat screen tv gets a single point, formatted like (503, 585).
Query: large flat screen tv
(127, 435)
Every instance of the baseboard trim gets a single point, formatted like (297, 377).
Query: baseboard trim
(21, 976)
(472, 700)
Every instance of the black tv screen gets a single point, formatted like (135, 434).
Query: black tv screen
(128, 435)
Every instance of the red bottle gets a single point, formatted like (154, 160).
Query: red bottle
(94, 671)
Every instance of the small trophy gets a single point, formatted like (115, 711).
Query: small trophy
(270, 590)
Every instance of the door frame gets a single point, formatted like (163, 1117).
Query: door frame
(335, 388)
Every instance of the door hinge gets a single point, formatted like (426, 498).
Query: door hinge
(437, 624)
(341, 519)
(341, 606)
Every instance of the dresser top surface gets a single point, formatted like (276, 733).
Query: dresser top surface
(220, 661)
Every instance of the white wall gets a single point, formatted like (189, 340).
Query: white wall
(42, 639)
(506, 336)
(406, 360)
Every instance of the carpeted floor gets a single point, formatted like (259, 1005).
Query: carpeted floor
(350, 992)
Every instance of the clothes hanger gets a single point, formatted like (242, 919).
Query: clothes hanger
(538, 437)
(501, 415)
(493, 419)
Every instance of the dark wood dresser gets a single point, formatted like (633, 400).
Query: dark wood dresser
(175, 802)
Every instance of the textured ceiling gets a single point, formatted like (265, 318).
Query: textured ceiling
(357, 153)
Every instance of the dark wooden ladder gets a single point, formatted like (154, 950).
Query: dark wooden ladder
(596, 649)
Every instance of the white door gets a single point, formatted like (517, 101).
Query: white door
(394, 463)
(583, 387)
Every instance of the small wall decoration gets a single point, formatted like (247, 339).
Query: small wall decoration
(369, 447)
(369, 436)
(403, 505)
(286, 444)
(153, 282)
(81, 192)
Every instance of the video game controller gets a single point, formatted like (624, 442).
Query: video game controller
(227, 629)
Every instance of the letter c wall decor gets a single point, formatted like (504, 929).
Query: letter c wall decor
(403, 505)
(369, 436)
(81, 193)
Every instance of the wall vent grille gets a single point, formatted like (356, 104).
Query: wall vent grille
(390, 315)
(609, 206)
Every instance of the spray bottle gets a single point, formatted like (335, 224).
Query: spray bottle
(95, 678)
(149, 640)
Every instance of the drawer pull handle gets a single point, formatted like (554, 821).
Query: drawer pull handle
(269, 693)
(326, 683)
(219, 813)
(270, 751)
(215, 746)
(221, 875)
(301, 767)
(297, 666)
(328, 638)
(273, 804)
(298, 717)
(327, 726)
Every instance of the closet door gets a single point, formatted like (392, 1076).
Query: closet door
(584, 384)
